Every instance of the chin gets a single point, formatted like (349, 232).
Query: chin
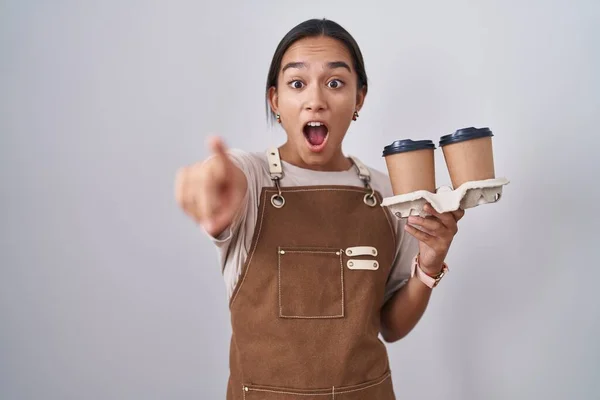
(316, 160)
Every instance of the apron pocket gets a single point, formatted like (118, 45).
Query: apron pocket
(311, 282)
(379, 389)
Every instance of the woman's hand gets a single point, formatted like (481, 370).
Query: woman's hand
(212, 191)
(435, 234)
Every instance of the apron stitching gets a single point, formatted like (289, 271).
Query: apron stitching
(312, 317)
(386, 377)
(387, 217)
(310, 251)
(290, 393)
(262, 214)
(279, 249)
(289, 190)
(279, 278)
(342, 277)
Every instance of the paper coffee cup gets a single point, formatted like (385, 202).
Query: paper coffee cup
(469, 155)
(410, 165)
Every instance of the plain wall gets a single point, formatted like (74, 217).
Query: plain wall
(107, 291)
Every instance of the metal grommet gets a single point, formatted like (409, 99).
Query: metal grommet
(370, 200)
(277, 200)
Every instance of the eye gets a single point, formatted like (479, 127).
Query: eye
(335, 84)
(296, 84)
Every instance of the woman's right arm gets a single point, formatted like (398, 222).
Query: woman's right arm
(212, 191)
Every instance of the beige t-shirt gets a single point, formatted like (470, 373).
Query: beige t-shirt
(234, 243)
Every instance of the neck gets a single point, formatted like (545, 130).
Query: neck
(338, 162)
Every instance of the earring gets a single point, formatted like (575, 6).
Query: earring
(355, 116)
(278, 118)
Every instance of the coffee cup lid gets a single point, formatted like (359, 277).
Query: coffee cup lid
(465, 134)
(403, 146)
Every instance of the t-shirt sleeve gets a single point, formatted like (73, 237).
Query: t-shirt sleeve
(406, 250)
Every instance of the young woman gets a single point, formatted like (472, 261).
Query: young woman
(315, 268)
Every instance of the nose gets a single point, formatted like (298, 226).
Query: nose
(315, 100)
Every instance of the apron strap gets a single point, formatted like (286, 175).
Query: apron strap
(275, 169)
(363, 171)
(276, 172)
(365, 176)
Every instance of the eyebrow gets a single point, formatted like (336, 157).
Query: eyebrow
(330, 65)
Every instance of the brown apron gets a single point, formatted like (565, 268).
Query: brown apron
(306, 310)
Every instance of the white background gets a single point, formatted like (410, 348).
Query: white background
(107, 291)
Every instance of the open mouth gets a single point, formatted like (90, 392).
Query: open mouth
(316, 134)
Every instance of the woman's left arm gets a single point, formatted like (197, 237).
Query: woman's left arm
(435, 233)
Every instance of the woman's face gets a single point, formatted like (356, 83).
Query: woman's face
(316, 97)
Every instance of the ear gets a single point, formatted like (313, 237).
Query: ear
(273, 99)
(360, 97)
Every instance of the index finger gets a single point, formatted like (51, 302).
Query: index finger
(217, 147)
(219, 151)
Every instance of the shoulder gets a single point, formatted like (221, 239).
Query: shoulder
(380, 177)
(380, 181)
(251, 163)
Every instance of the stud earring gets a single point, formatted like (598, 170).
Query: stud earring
(355, 116)
(278, 118)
